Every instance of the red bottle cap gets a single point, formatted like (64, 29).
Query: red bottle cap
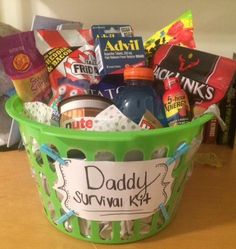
(138, 73)
(171, 83)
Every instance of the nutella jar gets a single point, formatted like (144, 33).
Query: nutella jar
(78, 112)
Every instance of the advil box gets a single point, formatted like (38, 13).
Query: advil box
(113, 54)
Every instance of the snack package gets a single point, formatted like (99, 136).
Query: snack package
(70, 60)
(49, 23)
(109, 86)
(149, 121)
(179, 32)
(205, 77)
(109, 31)
(70, 25)
(25, 66)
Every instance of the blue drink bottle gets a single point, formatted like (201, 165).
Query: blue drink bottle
(138, 95)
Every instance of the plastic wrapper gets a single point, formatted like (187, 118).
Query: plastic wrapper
(109, 86)
(25, 66)
(111, 119)
(149, 121)
(41, 113)
(205, 77)
(179, 32)
(70, 60)
(49, 23)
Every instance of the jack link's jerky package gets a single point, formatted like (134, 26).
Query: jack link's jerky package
(25, 67)
(179, 32)
(70, 60)
(205, 77)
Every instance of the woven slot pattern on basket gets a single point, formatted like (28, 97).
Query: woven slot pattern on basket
(85, 229)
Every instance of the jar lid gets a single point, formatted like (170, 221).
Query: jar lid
(138, 73)
(84, 101)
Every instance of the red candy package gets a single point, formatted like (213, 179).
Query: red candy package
(179, 32)
(25, 66)
(70, 60)
(181, 35)
(205, 77)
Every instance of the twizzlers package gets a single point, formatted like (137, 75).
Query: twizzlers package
(70, 60)
(205, 77)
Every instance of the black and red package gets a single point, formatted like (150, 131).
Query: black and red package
(205, 77)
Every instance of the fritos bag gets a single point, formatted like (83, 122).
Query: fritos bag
(205, 77)
(25, 66)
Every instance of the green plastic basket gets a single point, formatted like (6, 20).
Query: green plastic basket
(90, 144)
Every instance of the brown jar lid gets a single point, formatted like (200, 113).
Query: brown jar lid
(84, 101)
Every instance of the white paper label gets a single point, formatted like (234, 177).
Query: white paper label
(110, 191)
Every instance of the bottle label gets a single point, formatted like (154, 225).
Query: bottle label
(176, 109)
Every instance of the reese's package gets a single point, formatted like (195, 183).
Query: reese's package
(205, 77)
(25, 66)
(179, 32)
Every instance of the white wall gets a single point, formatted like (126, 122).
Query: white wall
(214, 20)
